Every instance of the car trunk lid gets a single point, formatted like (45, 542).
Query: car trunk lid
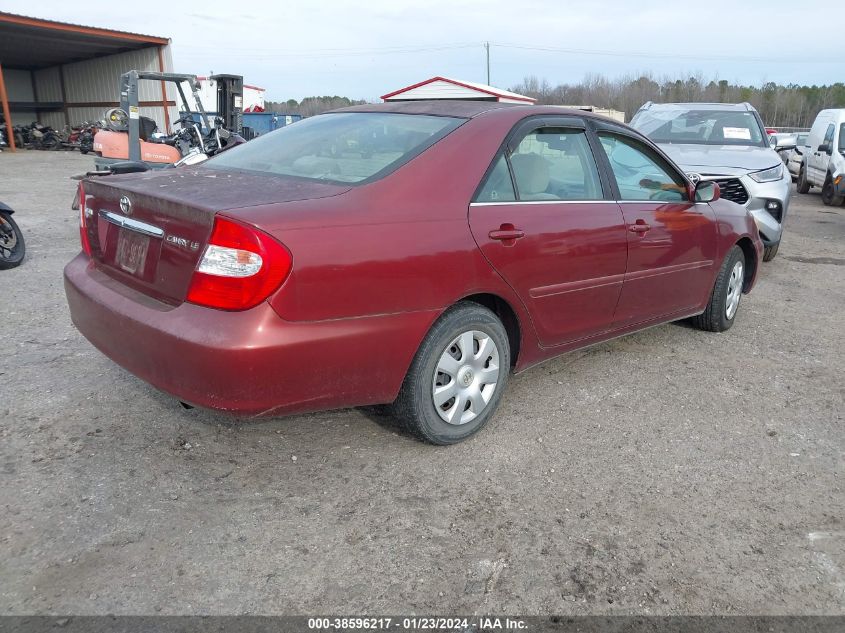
(149, 230)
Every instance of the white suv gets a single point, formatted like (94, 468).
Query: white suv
(824, 157)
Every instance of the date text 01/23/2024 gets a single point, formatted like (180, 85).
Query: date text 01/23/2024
(416, 624)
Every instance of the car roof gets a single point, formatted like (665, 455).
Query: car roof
(439, 107)
(693, 105)
(467, 109)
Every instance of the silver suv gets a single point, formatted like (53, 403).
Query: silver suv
(727, 143)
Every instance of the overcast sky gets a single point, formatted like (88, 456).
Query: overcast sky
(365, 48)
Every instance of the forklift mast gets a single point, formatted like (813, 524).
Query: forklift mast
(230, 101)
(129, 102)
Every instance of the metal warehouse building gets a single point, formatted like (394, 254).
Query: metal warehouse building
(63, 74)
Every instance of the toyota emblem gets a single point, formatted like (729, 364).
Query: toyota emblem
(126, 205)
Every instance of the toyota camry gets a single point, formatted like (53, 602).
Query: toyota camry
(412, 254)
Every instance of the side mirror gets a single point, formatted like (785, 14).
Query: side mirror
(785, 145)
(824, 147)
(707, 191)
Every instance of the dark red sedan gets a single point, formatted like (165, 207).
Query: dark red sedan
(405, 253)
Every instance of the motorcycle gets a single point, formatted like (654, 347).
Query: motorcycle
(192, 139)
(12, 245)
(85, 138)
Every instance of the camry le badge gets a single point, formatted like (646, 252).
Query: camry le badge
(182, 242)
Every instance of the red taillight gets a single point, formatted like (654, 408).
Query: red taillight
(240, 267)
(83, 221)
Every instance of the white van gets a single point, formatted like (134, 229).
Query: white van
(824, 157)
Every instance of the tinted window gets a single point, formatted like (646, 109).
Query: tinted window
(498, 187)
(842, 138)
(555, 164)
(640, 173)
(704, 127)
(344, 147)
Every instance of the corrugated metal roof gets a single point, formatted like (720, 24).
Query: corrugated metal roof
(47, 23)
(33, 43)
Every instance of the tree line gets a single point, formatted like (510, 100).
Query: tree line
(791, 105)
(310, 106)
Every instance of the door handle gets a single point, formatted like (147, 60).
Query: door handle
(640, 226)
(506, 233)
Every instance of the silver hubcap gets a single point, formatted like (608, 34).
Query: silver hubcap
(466, 377)
(734, 291)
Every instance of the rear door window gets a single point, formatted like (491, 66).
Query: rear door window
(554, 163)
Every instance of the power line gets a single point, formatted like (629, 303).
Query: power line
(644, 54)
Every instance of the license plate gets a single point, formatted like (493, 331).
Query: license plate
(132, 251)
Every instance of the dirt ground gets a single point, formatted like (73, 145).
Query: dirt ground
(669, 472)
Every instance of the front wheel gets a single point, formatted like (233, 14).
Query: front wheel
(803, 185)
(727, 291)
(457, 378)
(12, 246)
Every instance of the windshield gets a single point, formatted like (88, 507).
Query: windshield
(345, 147)
(700, 127)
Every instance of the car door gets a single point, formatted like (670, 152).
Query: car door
(672, 245)
(548, 224)
(820, 158)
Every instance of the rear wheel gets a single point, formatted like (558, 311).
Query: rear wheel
(769, 252)
(803, 185)
(727, 291)
(457, 378)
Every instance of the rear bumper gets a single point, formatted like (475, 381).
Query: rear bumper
(249, 363)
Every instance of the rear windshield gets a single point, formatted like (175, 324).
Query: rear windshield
(345, 147)
(700, 127)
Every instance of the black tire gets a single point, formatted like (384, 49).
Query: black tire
(415, 407)
(803, 185)
(828, 196)
(12, 245)
(769, 252)
(715, 318)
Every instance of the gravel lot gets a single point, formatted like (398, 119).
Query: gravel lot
(671, 472)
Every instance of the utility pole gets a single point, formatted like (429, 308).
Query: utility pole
(487, 48)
